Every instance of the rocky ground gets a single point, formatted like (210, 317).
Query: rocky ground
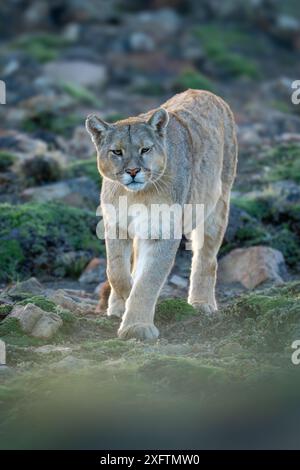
(64, 363)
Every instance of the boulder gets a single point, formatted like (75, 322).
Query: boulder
(78, 192)
(74, 304)
(21, 144)
(30, 286)
(36, 322)
(251, 266)
(80, 73)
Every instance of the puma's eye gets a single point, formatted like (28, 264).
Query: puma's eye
(117, 152)
(145, 150)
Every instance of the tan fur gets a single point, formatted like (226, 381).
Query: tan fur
(192, 161)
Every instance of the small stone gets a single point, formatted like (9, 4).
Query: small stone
(178, 281)
(141, 42)
(251, 266)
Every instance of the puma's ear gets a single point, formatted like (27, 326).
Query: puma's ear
(159, 120)
(95, 126)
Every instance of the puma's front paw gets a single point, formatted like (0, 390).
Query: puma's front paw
(116, 308)
(205, 308)
(115, 312)
(142, 331)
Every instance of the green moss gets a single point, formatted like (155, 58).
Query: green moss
(251, 235)
(190, 78)
(81, 94)
(114, 117)
(173, 310)
(106, 349)
(40, 301)
(10, 326)
(148, 89)
(288, 243)
(220, 44)
(42, 47)
(84, 168)
(7, 159)
(5, 309)
(50, 121)
(11, 257)
(182, 373)
(12, 334)
(284, 161)
(40, 169)
(259, 208)
(39, 232)
(67, 317)
(269, 320)
(294, 212)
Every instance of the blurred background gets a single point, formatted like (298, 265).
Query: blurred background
(60, 61)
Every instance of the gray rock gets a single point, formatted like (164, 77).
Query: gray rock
(81, 145)
(141, 42)
(30, 286)
(72, 303)
(159, 24)
(36, 322)
(47, 326)
(77, 192)
(78, 72)
(178, 281)
(21, 144)
(251, 266)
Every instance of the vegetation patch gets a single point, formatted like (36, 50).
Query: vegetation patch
(285, 163)
(221, 46)
(191, 78)
(7, 159)
(40, 301)
(173, 310)
(84, 168)
(260, 207)
(42, 47)
(51, 121)
(81, 94)
(32, 236)
(182, 374)
(265, 321)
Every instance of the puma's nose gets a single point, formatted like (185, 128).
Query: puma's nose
(132, 171)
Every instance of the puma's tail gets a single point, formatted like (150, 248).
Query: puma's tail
(103, 297)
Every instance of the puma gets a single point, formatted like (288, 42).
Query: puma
(184, 152)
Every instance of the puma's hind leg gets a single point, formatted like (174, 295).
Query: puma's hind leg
(204, 262)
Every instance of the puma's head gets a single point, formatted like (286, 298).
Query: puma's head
(130, 151)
